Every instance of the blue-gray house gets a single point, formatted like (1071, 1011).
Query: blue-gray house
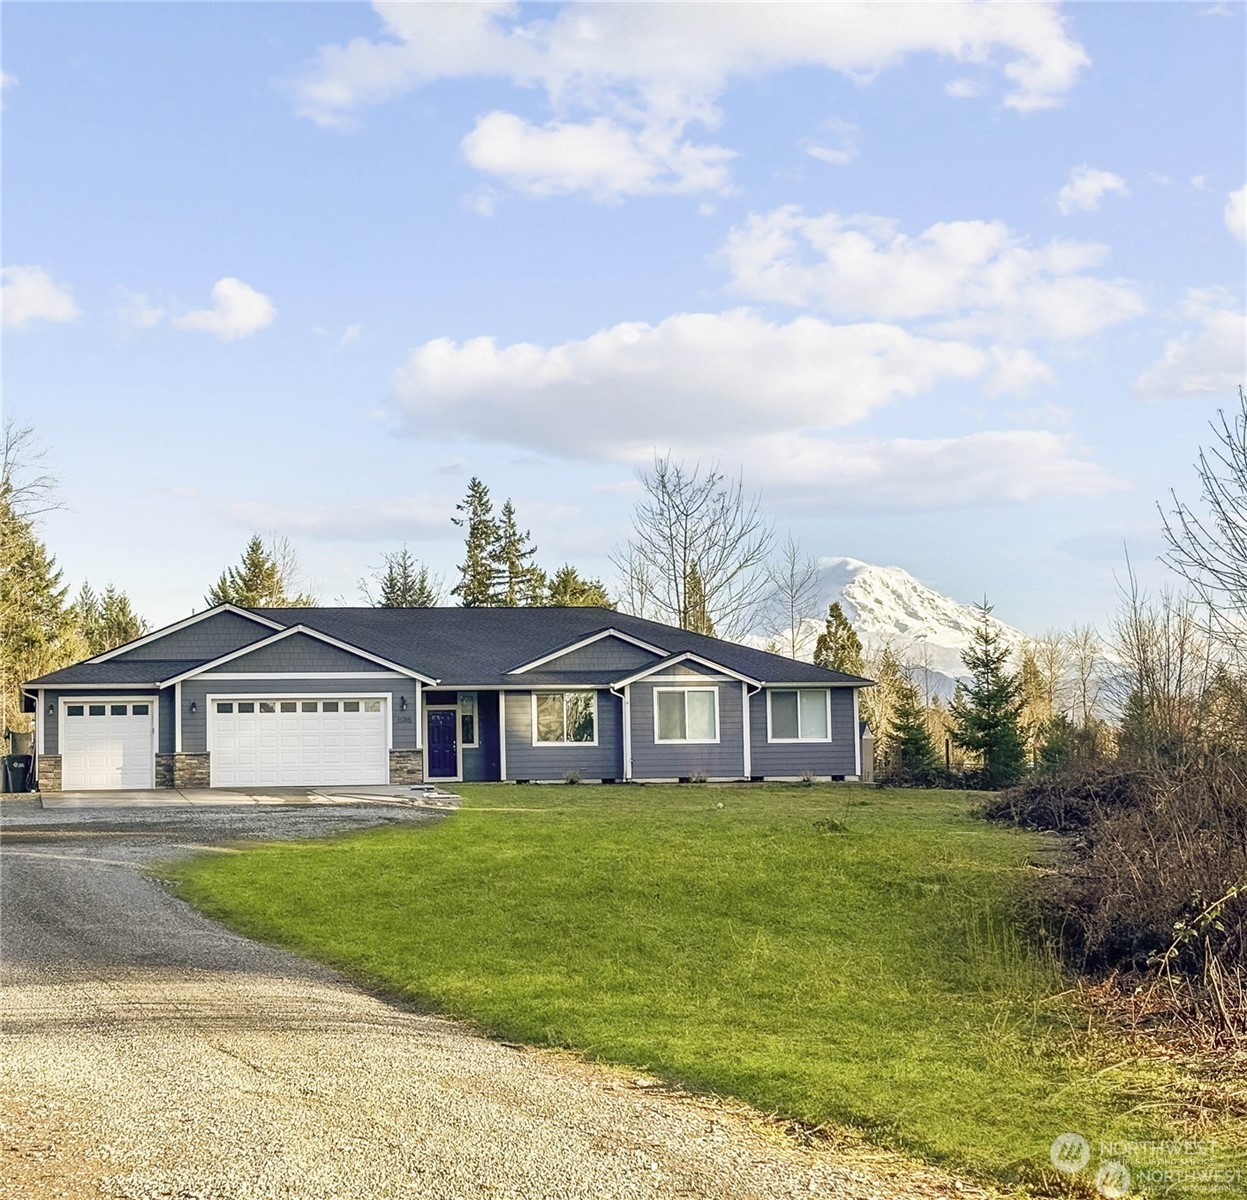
(237, 697)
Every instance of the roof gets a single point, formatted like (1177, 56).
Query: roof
(128, 671)
(479, 647)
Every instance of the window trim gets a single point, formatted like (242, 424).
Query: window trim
(770, 737)
(564, 692)
(475, 743)
(688, 741)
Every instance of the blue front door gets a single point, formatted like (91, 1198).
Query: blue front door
(443, 744)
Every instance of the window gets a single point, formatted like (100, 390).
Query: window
(686, 714)
(267, 706)
(350, 706)
(139, 710)
(289, 706)
(564, 718)
(309, 705)
(329, 706)
(117, 710)
(74, 710)
(372, 706)
(225, 706)
(801, 715)
(467, 718)
(246, 706)
(95, 710)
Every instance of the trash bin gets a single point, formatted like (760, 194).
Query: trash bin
(17, 772)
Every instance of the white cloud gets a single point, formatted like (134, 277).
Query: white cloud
(1087, 186)
(845, 149)
(6, 81)
(1236, 214)
(632, 78)
(136, 312)
(963, 89)
(350, 334)
(411, 519)
(237, 311)
(972, 276)
(632, 386)
(1209, 359)
(30, 294)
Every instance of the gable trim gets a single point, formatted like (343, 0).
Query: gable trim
(290, 631)
(183, 624)
(587, 641)
(686, 656)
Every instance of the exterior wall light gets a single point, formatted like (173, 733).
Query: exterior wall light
(402, 704)
(194, 706)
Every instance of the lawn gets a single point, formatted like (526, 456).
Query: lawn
(837, 954)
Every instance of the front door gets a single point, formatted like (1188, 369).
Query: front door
(443, 744)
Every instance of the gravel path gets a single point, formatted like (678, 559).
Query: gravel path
(149, 1052)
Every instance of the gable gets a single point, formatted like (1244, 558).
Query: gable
(297, 653)
(687, 667)
(606, 654)
(222, 633)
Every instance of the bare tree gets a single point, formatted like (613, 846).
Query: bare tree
(697, 557)
(1051, 656)
(1210, 551)
(792, 599)
(1087, 672)
(28, 490)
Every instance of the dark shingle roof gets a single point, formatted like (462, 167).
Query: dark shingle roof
(477, 647)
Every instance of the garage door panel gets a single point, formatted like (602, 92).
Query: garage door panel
(109, 745)
(304, 743)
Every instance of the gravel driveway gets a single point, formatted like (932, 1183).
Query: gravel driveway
(149, 1052)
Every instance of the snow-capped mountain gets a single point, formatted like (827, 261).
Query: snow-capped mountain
(887, 605)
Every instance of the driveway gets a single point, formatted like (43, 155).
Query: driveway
(149, 1052)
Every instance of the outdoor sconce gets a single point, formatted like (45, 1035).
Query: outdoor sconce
(194, 706)
(402, 704)
(51, 710)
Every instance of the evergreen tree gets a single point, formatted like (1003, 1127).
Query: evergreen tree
(405, 582)
(838, 647)
(696, 615)
(987, 712)
(909, 740)
(568, 590)
(263, 578)
(523, 582)
(478, 585)
(108, 621)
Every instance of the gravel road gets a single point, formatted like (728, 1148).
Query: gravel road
(149, 1052)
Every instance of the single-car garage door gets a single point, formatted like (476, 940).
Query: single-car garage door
(292, 743)
(108, 744)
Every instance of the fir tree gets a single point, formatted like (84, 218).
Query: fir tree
(909, 740)
(405, 582)
(838, 647)
(568, 590)
(108, 621)
(262, 579)
(696, 615)
(523, 582)
(478, 585)
(987, 712)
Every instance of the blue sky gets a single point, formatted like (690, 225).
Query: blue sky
(957, 287)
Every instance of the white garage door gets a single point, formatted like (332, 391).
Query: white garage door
(291, 743)
(109, 744)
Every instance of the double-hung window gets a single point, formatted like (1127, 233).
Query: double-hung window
(799, 715)
(564, 718)
(686, 714)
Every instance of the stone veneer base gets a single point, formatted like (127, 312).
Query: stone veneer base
(406, 766)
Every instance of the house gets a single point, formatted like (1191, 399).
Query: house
(238, 697)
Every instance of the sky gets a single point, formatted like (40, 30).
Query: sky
(955, 287)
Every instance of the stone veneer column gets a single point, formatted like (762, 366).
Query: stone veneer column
(406, 766)
(48, 771)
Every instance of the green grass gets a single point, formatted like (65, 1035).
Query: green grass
(835, 954)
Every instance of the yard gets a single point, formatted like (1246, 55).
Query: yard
(836, 954)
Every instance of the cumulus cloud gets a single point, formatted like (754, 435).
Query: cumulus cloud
(1210, 358)
(970, 276)
(237, 311)
(29, 294)
(411, 519)
(1236, 214)
(635, 77)
(1086, 187)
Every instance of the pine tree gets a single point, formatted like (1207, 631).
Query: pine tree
(569, 590)
(478, 585)
(107, 621)
(404, 583)
(838, 647)
(696, 616)
(987, 712)
(909, 740)
(262, 579)
(523, 582)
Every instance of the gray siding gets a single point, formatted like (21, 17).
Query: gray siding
(194, 725)
(526, 761)
(481, 763)
(205, 640)
(837, 757)
(298, 652)
(168, 715)
(608, 654)
(686, 668)
(51, 724)
(722, 760)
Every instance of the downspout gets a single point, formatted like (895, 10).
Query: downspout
(747, 723)
(857, 736)
(502, 735)
(626, 697)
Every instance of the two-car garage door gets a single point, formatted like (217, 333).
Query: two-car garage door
(283, 742)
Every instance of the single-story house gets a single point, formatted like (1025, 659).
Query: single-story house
(241, 697)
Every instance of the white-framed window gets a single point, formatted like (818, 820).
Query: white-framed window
(798, 715)
(688, 714)
(565, 718)
(467, 720)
